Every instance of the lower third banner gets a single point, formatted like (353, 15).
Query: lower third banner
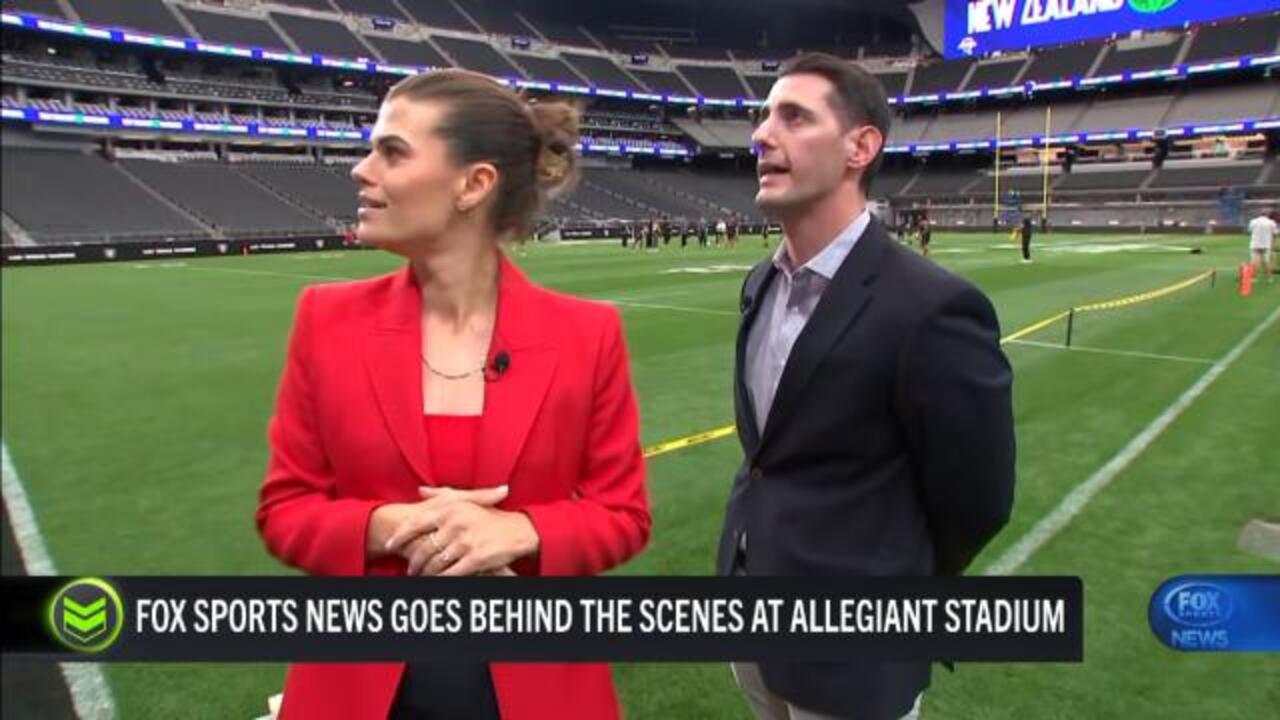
(543, 619)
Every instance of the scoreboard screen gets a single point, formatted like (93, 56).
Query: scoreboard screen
(981, 27)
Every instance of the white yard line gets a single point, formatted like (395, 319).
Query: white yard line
(616, 301)
(1108, 351)
(88, 687)
(1075, 501)
(673, 308)
(270, 273)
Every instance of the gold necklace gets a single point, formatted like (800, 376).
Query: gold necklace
(451, 376)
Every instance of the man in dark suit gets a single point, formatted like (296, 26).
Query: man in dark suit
(872, 397)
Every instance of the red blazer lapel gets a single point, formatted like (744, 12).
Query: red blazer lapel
(512, 398)
(391, 357)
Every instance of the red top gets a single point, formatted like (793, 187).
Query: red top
(451, 440)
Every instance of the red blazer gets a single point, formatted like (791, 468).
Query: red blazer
(560, 427)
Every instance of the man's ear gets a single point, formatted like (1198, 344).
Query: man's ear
(476, 184)
(862, 145)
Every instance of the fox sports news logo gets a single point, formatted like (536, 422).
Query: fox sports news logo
(1193, 615)
(1199, 605)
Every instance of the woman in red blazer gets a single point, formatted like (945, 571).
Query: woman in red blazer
(452, 418)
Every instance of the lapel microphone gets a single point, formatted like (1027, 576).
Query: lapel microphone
(501, 363)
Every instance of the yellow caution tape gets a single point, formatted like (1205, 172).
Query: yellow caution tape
(727, 430)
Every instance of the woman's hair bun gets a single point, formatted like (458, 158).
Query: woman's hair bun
(557, 127)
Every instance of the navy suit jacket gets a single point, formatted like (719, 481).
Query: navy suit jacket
(888, 450)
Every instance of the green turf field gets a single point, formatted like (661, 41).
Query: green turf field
(135, 398)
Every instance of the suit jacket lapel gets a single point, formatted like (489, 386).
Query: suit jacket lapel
(842, 303)
(513, 398)
(392, 359)
(752, 297)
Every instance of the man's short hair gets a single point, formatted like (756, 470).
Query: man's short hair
(858, 97)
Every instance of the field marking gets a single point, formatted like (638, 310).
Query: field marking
(626, 303)
(1071, 505)
(86, 683)
(1108, 351)
(1034, 327)
(675, 308)
(1014, 337)
(273, 273)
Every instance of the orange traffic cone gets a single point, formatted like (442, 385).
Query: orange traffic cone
(1246, 279)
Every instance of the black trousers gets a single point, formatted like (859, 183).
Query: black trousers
(1026, 246)
(445, 691)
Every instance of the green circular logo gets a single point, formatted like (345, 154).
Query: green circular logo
(86, 615)
(1151, 6)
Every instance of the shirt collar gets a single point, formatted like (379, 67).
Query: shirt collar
(827, 262)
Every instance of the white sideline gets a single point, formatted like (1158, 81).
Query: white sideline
(1108, 351)
(90, 694)
(1070, 506)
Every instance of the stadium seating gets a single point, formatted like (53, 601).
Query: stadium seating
(1228, 39)
(713, 81)
(407, 52)
(562, 33)
(328, 192)
(994, 74)
(292, 197)
(1029, 184)
(224, 199)
(434, 13)
(234, 29)
(907, 130)
(49, 8)
(1209, 176)
(149, 15)
(723, 191)
(890, 183)
(1245, 102)
(373, 8)
(600, 71)
(1029, 119)
(662, 81)
(320, 36)
(1113, 177)
(497, 21)
(894, 83)
(322, 5)
(478, 56)
(942, 182)
(549, 69)
(1062, 63)
(638, 187)
(961, 126)
(108, 204)
(760, 84)
(695, 52)
(1118, 111)
(603, 203)
(1142, 57)
(940, 77)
